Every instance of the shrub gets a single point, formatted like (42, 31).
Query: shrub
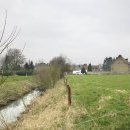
(24, 72)
(60, 63)
(55, 74)
(47, 75)
(43, 77)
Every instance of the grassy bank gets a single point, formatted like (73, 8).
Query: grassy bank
(51, 111)
(14, 87)
(105, 97)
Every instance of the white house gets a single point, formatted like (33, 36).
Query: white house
(76, 72)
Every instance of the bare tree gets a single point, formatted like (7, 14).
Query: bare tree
(5, 42)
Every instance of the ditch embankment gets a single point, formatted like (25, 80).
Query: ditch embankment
(50, 111)
(15, 87)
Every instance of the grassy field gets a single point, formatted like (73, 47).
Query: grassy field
(14, 87)
(106, 99)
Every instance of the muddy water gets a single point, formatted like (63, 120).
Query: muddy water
(10, 113)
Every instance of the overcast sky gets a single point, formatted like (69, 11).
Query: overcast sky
(83, 30)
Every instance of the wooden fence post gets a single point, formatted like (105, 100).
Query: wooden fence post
(66, 81)
(69, 94)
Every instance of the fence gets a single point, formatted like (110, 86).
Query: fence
(93, 122)
(68, 89)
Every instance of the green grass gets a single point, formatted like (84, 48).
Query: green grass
(18, 78)
(14, 87)
(106, 98)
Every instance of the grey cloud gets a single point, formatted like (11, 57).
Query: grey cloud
(84, 30)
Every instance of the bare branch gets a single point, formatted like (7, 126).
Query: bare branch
(13, 35)
(3, 31)
(23, 47)
(9, 37)
(10, 41)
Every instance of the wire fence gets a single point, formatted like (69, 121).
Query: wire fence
(93, 122)
(93, 125)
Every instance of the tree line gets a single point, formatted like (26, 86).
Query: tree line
(14, 63)
(107, 63)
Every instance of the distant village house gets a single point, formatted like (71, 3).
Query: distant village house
(96, 68)
(120, 65)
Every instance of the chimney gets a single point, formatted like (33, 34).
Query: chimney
(119, 56)
(126, 59)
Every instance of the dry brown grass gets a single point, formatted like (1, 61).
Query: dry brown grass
(51, 111)
(121, 91)
(102, 101)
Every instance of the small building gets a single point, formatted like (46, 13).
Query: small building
(96, 68)
(120, 65)
(77, 72)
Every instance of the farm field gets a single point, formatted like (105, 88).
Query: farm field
(14, 87)
(106, 99)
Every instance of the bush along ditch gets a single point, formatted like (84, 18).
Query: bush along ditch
(47, 75)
